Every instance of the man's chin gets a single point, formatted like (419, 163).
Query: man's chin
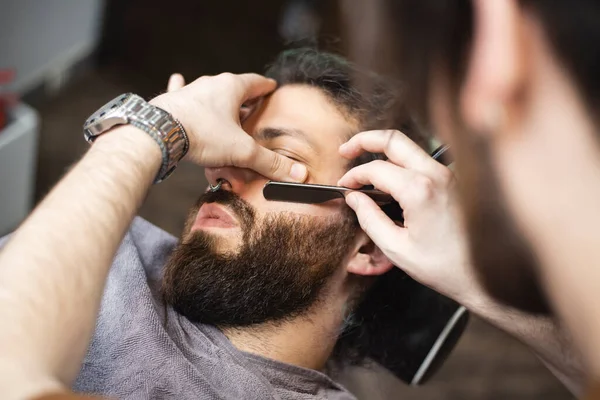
(221, 240)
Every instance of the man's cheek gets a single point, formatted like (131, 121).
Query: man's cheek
(327, 209)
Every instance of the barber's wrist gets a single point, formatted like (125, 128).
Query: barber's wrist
(127, 142)
(495, 313)
(479, 305)
(476, 300)
(168, 103)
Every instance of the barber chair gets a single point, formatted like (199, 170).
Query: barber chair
(405, 327)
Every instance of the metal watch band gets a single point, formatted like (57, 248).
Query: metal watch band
(164, 129)
(132, 109)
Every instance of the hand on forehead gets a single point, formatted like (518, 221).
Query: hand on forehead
(302, 123)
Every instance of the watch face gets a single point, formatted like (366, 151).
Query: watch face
(101, 120)
(108, 107)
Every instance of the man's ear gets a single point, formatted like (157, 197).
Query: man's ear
(367, 258)
(497, 64)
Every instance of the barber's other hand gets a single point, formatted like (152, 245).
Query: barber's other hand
(209, 110)
(431, 246)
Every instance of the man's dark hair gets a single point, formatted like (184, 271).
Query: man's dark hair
(394, 306)
(337, 78)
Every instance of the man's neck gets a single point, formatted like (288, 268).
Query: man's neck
(305, 341)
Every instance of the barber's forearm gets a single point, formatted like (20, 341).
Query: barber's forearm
(547, 340)
(62, 253)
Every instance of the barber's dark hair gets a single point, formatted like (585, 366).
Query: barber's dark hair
(394, 306)
(427, 34)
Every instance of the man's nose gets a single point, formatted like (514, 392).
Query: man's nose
(237, 179)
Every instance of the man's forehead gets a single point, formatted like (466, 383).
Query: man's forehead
(274, 132)
(305, 113)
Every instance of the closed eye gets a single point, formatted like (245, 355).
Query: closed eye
(290, 156)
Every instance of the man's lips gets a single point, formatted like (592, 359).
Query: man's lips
(213, 215)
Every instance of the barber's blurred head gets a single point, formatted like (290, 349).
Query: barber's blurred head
(514, 87)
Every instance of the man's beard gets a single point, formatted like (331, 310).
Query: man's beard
(503, 259)
(280, 271)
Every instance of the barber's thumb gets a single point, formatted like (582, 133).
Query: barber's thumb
(352, 199)
(176, 82)
(277, 167)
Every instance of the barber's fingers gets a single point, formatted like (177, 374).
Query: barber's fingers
(250, 107)
(266, 162)
(383, 175)
(412, 190)
(255, 85)
(176, 81)
(395, 145)
(383, 231)
(243, 87)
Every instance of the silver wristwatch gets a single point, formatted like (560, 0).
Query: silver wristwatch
(131, 109)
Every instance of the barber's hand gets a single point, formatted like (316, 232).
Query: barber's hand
(431, 246)
(209, 110)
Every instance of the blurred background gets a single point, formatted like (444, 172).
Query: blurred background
(60, 60)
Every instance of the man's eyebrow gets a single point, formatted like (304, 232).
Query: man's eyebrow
(270, 133)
